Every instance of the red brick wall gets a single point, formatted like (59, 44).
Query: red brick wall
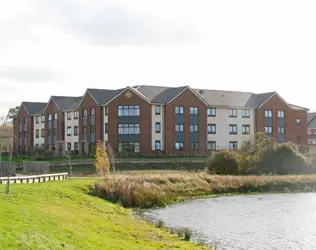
(187, 99)
(88, 103)
(22, 114)
(145, 121)
(292, 130)
(53, 109)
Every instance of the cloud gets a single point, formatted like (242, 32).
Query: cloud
(33, 74)
(102, 23)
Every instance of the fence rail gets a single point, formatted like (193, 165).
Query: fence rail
(34, 178)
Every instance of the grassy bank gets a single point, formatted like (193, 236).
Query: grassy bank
(157, 190)
(61, 215)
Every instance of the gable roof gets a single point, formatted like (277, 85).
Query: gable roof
(34, 108)
(262, 98)
(103, 96)
(66, 102)
(295, 107)
(310, 116)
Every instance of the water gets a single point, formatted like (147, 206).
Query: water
(268, 221)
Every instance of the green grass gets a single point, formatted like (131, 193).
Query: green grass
(61, 215)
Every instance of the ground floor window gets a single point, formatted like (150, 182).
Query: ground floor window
(194, 145)
(179, 145)
(211, 145)
(157, 145)
(76, 146)
(69, 146)
(232, 145)
(128, 147)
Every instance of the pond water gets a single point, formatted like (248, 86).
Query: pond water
(267, 221)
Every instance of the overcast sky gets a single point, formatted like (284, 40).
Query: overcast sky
(62, 47)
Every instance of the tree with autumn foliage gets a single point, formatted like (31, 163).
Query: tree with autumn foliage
(102, 159)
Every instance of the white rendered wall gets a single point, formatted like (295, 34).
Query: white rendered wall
(157, 118)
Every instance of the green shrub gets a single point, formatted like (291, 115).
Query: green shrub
(223, 162)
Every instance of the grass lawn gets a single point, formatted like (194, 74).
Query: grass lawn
(61, 215)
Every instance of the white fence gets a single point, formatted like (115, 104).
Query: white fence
(34, 178)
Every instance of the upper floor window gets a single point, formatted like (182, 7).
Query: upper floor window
(25, 120)
(106, 128)
(211, 112)
(179, 127)
(211, 128)
(128, 129)
(232, 112)
(157, 109)
(43, 118)
(37, 119)
(179, 110)
(245, 129)
(69, 131)
(131, 110)
(76, 114)
(68, 115)
(157, 127)
(92, 112)
(281, 130)
(50, 117)
(245, 113)
(194, 110)
(298, 121)
(268, 130)
(55, 116)
(233, 129)
(106, 110)
(75, 130)
(85, 113)
(268, 113)
(92, 129)
(84, 129)
(280, 113)
(194, 128)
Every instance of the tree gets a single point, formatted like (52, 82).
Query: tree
(102, 159)
(12, 113)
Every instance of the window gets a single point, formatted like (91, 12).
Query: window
(25, 134)
(92, 146)
(85, 113)
(298, 121)
(128, 147)
(157, 110)
(68, 115)
(43, 118)
(211, 128)
(92, 128)
(37, 119)
(69, 132)
(268, 113)
(194, 110)
(92, 112)
(55, 116)
(157, 145)
(157, 127)
(42, 133)
(68, 146)
(76, 114)
(245, 129)
(232, 129)
(232, 112)
(211, 112)
(25, 120)
(132, 110)
(232, 145)
(37, 133)
(50, 117)
(49, 132)
(299, 140)
(245, 113)
(281, 130)
(280, 113)
(106, 110)
(75, 130)
(179, 127)
(106, 128)
(55, 132)
(179, 110)
(84, 130)
(20, 121)
(76, 148)
(128, 129)
(194, 128)
(179, 145)
(268, 130)
(194, 145)
(211, 145)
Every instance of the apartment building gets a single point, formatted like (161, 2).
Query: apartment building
(171, 120)
(311, 131)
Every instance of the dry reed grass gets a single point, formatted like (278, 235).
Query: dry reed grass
(156, 190)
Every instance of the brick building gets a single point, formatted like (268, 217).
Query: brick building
(155, 119)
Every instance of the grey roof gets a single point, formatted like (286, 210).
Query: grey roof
(67, 102)
(262, 98)
(159, 94)
(34, 108)
(102, 96)
(310, 116)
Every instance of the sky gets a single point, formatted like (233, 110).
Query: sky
(63, 47)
